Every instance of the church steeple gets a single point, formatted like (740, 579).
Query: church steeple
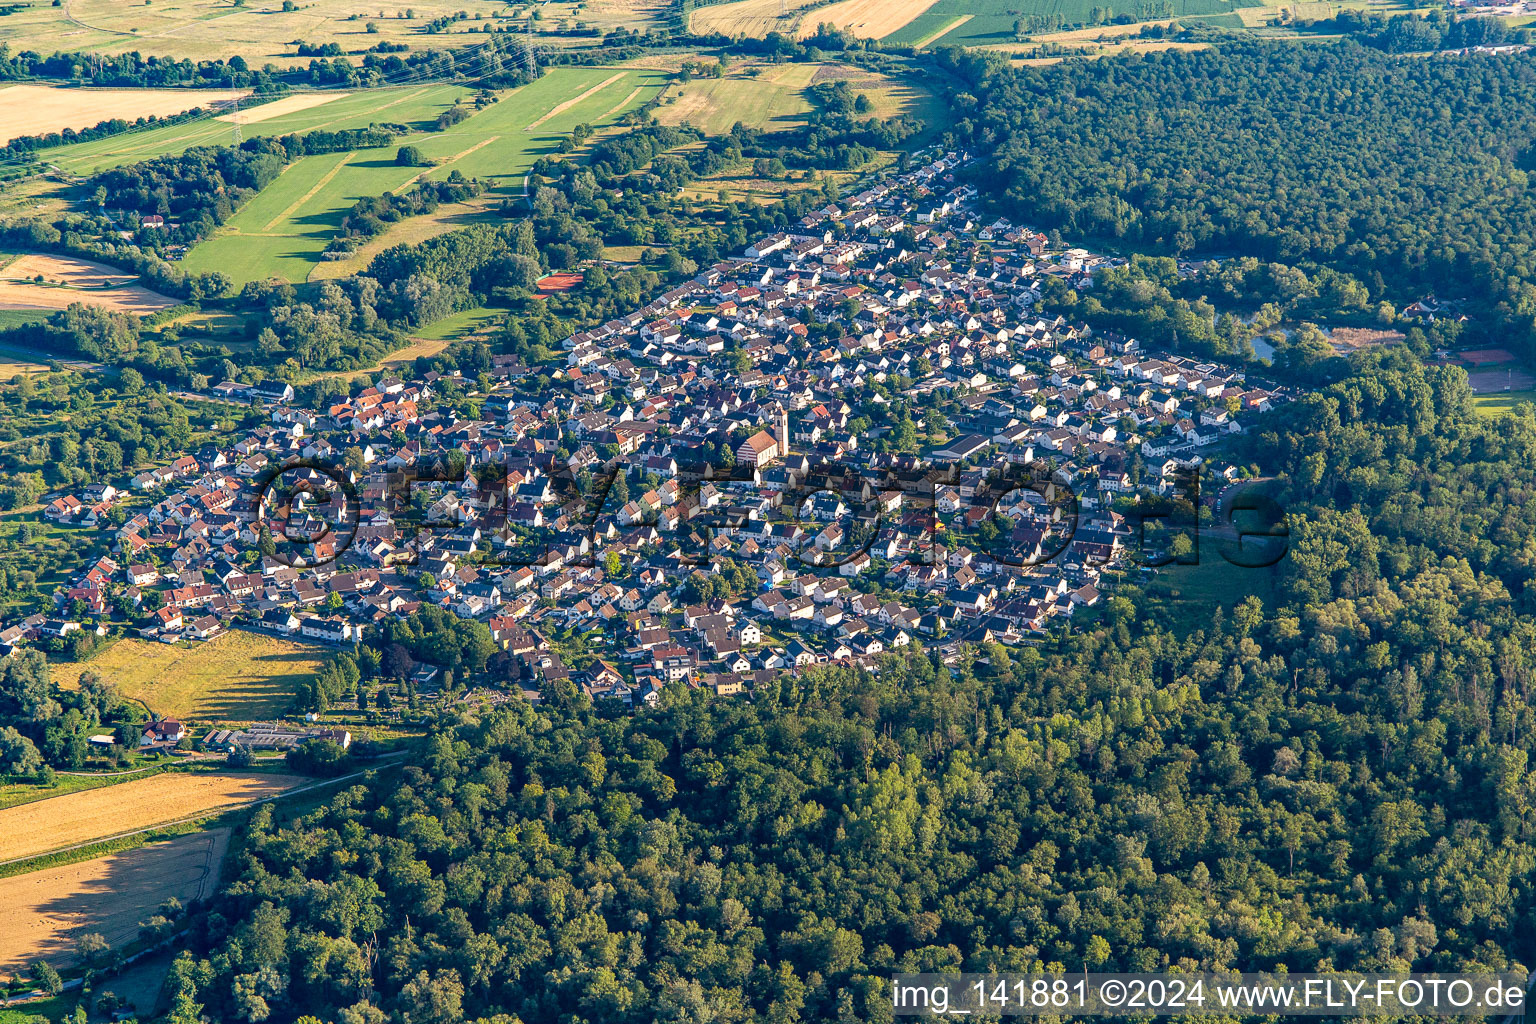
(783, 432)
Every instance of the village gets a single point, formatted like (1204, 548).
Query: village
(711, 489)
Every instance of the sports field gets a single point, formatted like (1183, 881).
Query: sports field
(1500, 403)
(48, 910)
(282, 232)
(48, 825)
(238, 677)
(40, 109)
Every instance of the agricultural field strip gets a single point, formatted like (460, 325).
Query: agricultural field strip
(992, 21)
(568, 104)
(309, 227)
(286, 105)
(929, 40)
(873, 19)
(360, 109)
(207, 812)
(27, 109)
(626, 101)
(325, 180)
(109, 895)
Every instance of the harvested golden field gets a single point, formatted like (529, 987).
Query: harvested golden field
(751, 19)
(39, 109)
(238, 677)
(286, 105)
(67, 271)
(870, 19)
(95, 814)
(67, 280)
(47, 911)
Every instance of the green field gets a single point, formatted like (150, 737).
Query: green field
(21, 317)
(991, 21)
(773, 99)
(282, 232)
(465, 322)
(1498, 403)
(413, 105)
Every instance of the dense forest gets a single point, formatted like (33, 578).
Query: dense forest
(1409, 174)
(1341, 779)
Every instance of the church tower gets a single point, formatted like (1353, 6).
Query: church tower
(783, 432)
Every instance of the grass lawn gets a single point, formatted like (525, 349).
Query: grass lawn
(282, 232)
(239, 677)
(1192, 592)
(452, 327)
(1497, 403)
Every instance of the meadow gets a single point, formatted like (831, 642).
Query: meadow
(1501, 403)
(990, 22)
(775, 100)
(238, 677)
(282, 232)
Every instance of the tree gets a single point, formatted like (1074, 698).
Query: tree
(43, 973)
(410, 156)
(94, 949)
(18, 756)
